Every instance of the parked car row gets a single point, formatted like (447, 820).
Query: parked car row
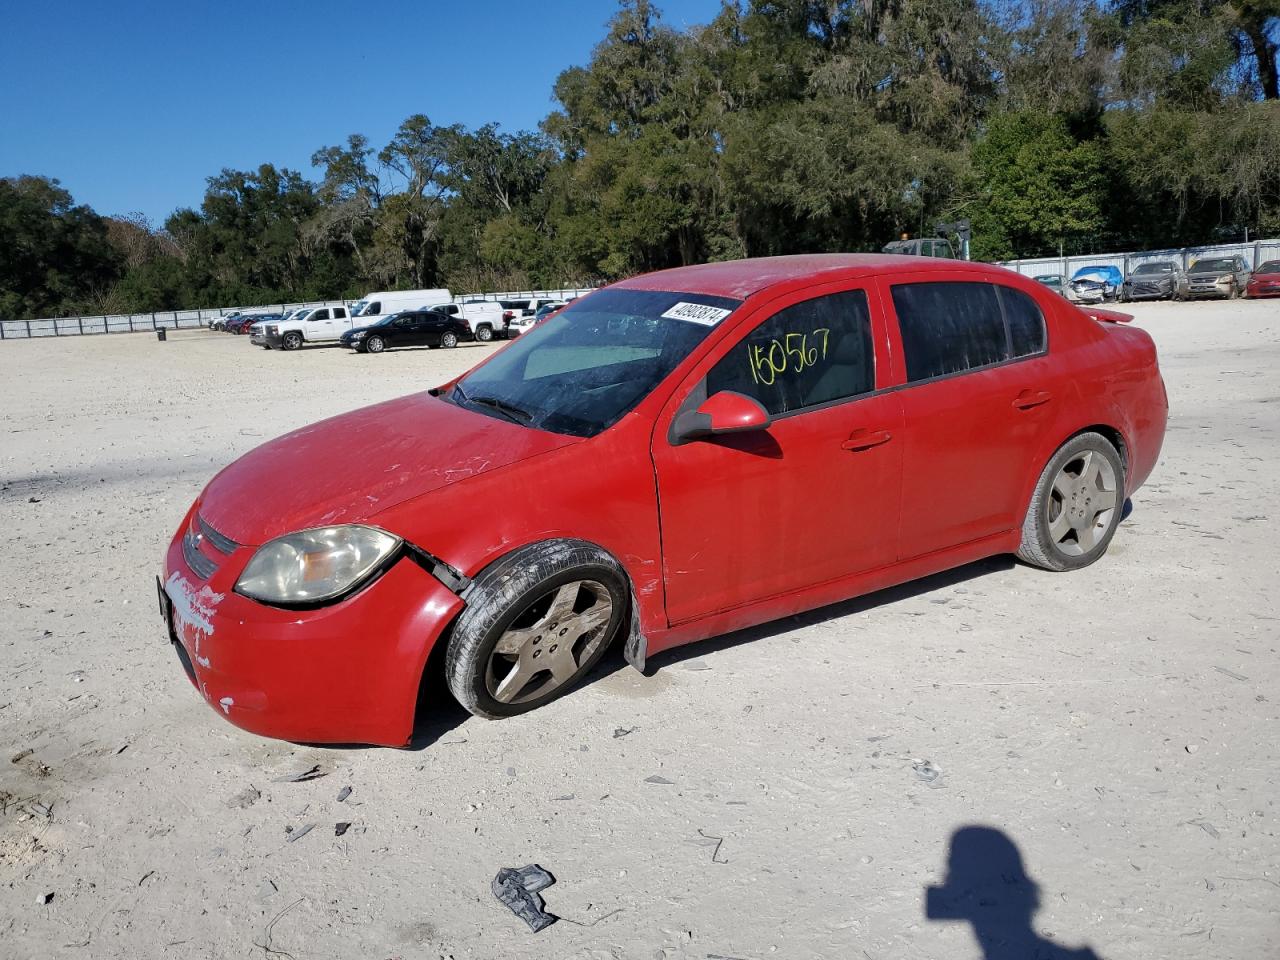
(385, 319)
(1228, 277)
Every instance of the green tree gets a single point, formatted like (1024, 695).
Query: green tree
(55, 257)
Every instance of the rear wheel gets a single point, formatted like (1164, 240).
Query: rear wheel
(535, 623)
(292, 340)
(449, 339)
(484, 333)
(375, 344)
(1076, 506)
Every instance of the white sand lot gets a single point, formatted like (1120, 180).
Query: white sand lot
(1118, 725)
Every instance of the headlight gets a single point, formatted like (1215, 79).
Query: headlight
(1225, 279)
(314, 565)
(358, 334)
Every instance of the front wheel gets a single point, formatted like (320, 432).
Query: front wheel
(292, 340)
(449, 339)
(375, 344)
(1076, 506)
(535, 623)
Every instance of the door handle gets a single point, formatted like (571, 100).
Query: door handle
(1031, 398)
(866, 439)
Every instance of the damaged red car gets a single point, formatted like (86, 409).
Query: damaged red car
(696, 451)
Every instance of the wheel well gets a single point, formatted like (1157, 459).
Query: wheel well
(1112, 434)
(432, 685)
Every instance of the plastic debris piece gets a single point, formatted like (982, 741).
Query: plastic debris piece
(300, 832)
(657, 779)
(343, 794)
(44, 898)
(340, 828)
(518, 889)
(619, 732)
(926, 771)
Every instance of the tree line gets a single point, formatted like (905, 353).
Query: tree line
(782, 126)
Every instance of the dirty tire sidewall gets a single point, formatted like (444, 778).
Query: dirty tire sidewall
(502, 592)
(1037, 547)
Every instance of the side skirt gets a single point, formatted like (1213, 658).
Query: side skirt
(810, 598)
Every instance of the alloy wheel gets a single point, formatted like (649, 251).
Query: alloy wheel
(1082, 500)
(549, 641)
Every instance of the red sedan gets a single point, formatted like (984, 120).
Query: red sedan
(1265, 281)
(697, 451)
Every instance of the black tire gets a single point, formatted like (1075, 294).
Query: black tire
(448, 339)
(516, 587)
(374, 344)
(292, 340)
(1039, 548)
(484, 333)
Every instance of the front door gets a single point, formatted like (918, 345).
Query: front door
(812, 498)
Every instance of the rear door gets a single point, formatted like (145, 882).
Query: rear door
(979, 391)
(812, 498)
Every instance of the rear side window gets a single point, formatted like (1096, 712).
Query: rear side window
(953, 327)
(804, 355)
(1026, 322)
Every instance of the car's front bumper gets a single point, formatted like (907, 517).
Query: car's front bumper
(1211, 288)
(1147, 291)
(1263, 289)
(344, 673)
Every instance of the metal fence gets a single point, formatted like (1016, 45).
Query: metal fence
(194, 319)
(1254, 253)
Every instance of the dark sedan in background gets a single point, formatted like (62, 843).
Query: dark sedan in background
(1265, 281)
(1158, 280)
(413, 328)
(1218, 277)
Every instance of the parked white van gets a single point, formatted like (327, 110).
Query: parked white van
(382, 302)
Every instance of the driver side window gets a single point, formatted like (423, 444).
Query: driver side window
(810, 353)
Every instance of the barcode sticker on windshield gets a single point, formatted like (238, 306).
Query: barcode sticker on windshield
(697, 313)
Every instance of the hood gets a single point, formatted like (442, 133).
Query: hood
(350, 468)
(1203, 272)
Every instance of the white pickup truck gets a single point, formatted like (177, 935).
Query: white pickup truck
(484, 318)
(314, 325)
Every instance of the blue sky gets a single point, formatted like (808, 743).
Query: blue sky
(132, 104)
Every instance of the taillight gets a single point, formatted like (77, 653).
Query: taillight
(508, 315)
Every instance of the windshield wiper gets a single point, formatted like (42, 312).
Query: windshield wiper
(509, 410)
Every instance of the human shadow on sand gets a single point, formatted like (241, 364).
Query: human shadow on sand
(988, 888)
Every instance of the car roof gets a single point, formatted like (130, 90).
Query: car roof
(740, 279)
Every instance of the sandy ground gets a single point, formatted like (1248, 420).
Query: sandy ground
(1117, 726)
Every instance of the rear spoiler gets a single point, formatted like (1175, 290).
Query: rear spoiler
(1107, 316)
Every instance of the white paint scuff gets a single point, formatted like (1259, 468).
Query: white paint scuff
(194, 610)
(226, 703)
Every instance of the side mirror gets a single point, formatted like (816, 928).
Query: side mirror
(725, 412)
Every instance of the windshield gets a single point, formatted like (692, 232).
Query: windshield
(1271, 266)
(359, 307)
(1215, 266)
(383, 321)
(1155, 268)
(583, 369)
(1049, 278)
